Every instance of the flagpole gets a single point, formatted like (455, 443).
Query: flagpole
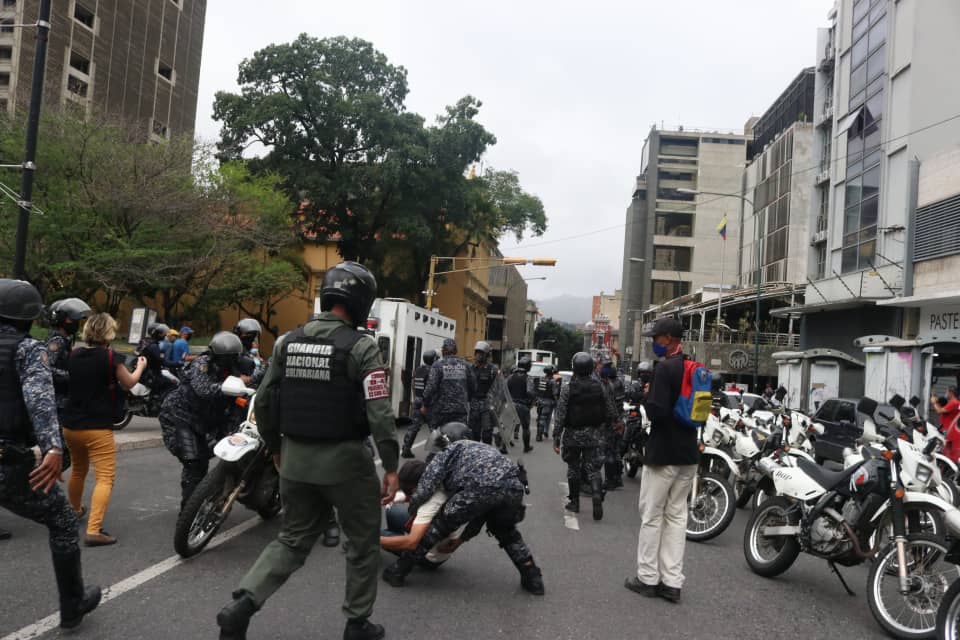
(723, 259)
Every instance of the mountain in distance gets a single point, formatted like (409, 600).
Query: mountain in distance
(567, 308)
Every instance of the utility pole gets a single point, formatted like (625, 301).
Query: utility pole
(33, 126)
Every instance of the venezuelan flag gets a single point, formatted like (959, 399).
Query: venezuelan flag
(722, 227)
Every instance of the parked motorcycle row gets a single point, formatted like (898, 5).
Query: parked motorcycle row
(892, 505)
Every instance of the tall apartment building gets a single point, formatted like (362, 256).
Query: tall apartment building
(882, 109)
(777, 189)
(138, 59)
(671, 245)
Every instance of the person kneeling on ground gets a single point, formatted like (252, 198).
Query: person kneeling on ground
(484, 488)
(403, 532)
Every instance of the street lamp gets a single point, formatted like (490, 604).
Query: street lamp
(756, 224)
(492, 263)
(543, 342)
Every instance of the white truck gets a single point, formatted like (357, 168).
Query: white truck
(538, 360)
(403, 331)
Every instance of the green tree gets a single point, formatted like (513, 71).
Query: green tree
(329, 116)
(566, 340)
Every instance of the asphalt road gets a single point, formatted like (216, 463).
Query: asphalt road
(477, 594)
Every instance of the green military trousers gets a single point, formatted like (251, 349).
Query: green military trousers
(307, 512)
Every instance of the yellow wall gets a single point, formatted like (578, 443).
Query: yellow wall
(464, 296)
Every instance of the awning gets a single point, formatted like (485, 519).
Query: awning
(941, 297)
(847, 122)
(829, 305)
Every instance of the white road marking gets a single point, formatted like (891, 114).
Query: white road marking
(52, 621)
(570, 520)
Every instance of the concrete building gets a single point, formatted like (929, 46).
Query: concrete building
(608, 305)
(530, 321)
(137, 59)
(506, 314)
(670, 243)
(882, 110)
(465, 295)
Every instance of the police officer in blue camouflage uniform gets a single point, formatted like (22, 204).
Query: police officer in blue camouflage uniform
(28, 424)
(521, 392)
(484, 374)
(420, 375)
(64, 317)
(485, 489)
(547, 393)
(450, 386)
(193, 415)
(585, 408)
(612, 465)
(248, 330)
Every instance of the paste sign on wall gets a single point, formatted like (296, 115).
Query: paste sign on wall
(940, 323)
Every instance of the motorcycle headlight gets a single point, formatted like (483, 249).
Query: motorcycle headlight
(717, 437)
(252, 417)
(923, 473)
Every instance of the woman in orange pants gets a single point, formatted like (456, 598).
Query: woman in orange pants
(97, 377)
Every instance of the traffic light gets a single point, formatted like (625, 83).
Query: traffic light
(514, 261)
(544, 262)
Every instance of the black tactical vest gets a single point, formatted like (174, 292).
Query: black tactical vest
(420, 375)
(545, 388)
(485, 376)
(14, 419)
(317, 399)
(586, 405)
(517, 386)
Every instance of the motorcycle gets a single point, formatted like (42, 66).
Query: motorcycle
(146, 401)
(712, 500)
(245, 474)
(636, 430)
(835, 515)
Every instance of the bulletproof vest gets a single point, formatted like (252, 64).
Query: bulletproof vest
(485, 376)
(545, 388)
(517, 386)
(14, 419)
(585, 407)
(318, 401)
(420, 375)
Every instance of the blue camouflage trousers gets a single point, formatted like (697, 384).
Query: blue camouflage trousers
(51, 509)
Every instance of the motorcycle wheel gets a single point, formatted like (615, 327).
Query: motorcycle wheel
(631, 465)
(123, 422)
(914, 615)
(949, 492)
(713, 510)
(920, 519)
(201, 518)
(759, 497)
(948, 615)
(769, 556)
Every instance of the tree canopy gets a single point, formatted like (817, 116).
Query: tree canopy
(566, 340)
(329, 116)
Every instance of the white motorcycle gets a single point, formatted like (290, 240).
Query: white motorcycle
(835, 515)
(245, 474)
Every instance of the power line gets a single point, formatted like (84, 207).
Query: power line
(694, 206)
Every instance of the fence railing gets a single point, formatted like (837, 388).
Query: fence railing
(742, 337)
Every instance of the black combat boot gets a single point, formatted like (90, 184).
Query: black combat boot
(526, 442)
(573, 496)
(395, 574)
(531, 579)
(75, 600)
(597, 498)
(331, 537)
(612, 471)
(234, 618)
(407, 453)
(362, 629)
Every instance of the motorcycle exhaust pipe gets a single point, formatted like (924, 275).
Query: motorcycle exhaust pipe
(857, 550)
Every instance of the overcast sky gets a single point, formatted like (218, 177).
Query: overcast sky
(569, 89)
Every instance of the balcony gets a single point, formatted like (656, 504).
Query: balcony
(825, 118)
(822, 176)
(743, 337)
(827, 57)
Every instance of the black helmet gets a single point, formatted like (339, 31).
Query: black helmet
(582, 363)
(449, 346)
(68, 311)
(353, 286)
(225, 349)
(548, 370)
(524, 364)
(716, 381)
(449, 433)
(19, 300)
(247, 325)
(482, 346)
(429, 357)
(158, 331)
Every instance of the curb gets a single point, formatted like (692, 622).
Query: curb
(133, 445)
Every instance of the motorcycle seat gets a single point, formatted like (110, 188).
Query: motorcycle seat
(824, 477)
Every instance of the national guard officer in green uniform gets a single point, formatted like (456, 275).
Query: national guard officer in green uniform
(325, 392)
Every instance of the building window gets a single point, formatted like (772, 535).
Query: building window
(724, 140)
(6, 53)
(5, 79)
(821, 269)
(677, 225)
(165, 71)
(9, 4)
(160, 130)
(79, 63)
(861, 195)
(77, 87)
(4, 28)
(669, 193)
(672, 258)
(666, 290)
(83, 15)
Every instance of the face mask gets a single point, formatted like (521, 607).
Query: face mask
(659, 350)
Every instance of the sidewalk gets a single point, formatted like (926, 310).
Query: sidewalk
(141, 433)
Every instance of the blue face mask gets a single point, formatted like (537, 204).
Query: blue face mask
(659, 350)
